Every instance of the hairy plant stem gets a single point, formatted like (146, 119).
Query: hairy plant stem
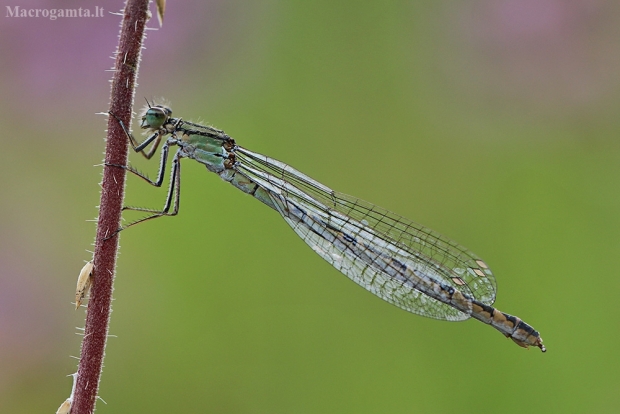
(113, 185)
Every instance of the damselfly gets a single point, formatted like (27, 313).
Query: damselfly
(405, 264)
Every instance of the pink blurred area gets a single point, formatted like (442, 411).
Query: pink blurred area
(29, 321)
(54, 80)
(60, 65)
(553, 58)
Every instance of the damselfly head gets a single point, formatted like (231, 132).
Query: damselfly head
(155, 117)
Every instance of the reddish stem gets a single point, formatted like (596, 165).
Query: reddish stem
(112, 193)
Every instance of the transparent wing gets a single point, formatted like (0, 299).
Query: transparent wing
(368, 243)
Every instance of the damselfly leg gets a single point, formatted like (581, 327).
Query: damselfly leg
(154, 138)
(174, 190)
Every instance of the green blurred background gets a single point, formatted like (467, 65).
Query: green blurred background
(493, 122)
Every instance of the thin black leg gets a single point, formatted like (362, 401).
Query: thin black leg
(155, 138)
(162, 167)
(172, 199)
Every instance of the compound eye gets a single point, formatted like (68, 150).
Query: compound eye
(155, 117)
